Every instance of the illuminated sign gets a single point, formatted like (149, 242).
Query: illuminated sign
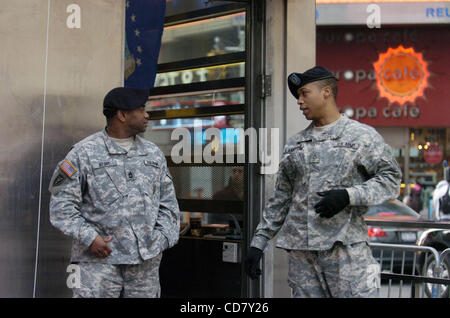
(401, 75)
(438, 12)
(359, 113)
(359, 96)
(332, 12)
(433, 155)
(201, 74)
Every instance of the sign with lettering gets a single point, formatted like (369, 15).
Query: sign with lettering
(348, 12)
(401, 75)
(433, 155)
(389, 77)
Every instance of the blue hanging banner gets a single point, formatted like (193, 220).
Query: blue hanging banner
(143, 32)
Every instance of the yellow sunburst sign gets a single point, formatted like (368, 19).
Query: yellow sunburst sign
(401, 74)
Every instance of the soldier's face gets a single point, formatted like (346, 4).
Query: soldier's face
(311, 100)
(137, 120)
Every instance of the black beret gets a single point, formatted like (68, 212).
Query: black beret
(297, 80)
(125, 98)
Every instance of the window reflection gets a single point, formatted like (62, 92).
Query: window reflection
(202, 74)
(174, 7)
(221, 122)
(211, 225)
(209, 182)
(428, 149)
(215, 98)
(160, 132)
(209, 37)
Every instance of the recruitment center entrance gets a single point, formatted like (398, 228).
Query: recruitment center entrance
(208, 87)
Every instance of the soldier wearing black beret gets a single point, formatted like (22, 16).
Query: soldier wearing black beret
(124, 98)
(124, 109)
(328, 175)
(317, 73)
(113, 194)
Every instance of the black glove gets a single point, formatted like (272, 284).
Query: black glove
(334, 201)
(252, 261)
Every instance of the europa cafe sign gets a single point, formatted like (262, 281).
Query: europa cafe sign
(401, 76)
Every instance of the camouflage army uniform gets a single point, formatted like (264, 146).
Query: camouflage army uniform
(349, 155)
(101, 189)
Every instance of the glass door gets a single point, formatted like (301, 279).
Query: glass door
(196, 110)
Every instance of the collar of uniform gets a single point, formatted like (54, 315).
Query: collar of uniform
(137, 149)
(333, 133)
(112, 147)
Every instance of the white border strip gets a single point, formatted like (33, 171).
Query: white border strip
(408, 13)
(42, 153)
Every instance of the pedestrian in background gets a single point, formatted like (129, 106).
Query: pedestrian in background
(328, 174)
(414, 198)
(441, 196)
(114, 196)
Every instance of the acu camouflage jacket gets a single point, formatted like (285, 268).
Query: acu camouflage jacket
(348, 155)
(101, 189)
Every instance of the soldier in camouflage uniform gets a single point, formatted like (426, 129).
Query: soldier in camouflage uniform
(329, 173)
(114, 196)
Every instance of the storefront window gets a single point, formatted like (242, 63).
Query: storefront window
(429, 147)
(197, 110)
(174, 7)
(209, 37)
(202, 74)
(209, 182)
(215, 98)
(160, 132)
(222, 184)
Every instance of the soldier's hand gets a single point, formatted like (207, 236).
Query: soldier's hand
(333, 202)
(99, 246)
(252, 262)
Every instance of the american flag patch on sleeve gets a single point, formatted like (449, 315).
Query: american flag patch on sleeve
(68, 168)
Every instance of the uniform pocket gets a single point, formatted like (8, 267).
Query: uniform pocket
(345, 165)
(295, 168)
(365, 277)
(151, 205)
(151, 184)
(151, 170)
(105, 184)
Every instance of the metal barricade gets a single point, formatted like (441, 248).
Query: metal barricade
(445, 269)
(418, 271)
(420, 282)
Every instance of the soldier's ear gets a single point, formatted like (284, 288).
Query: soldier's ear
(121, 115)
(327, 91)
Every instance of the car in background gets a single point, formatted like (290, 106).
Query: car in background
(394, 210)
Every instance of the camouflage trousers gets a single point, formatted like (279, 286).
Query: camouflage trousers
(341, 272)
(99, 280)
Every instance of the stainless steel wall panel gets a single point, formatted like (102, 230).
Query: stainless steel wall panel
(22, 56)
(82, 65)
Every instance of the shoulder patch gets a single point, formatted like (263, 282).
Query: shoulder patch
(58, 180)
(68, 168)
